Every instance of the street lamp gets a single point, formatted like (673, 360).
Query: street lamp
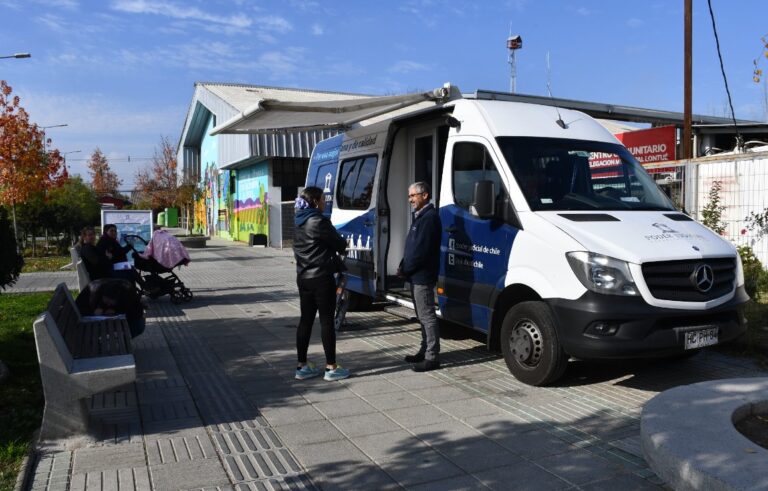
(64, 156)
(45, 139)
(17, 55)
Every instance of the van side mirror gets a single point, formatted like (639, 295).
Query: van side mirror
(484, 199)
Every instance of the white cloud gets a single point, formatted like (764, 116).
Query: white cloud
(518, 5)
(79, 28)
(169, 9)
(343, 69)
(280, 64)
(305, 5)
(583, 11)
(635, 22)
(407, 66)
(274, 23)
(64, 4)
(317, 29)
(53, 23)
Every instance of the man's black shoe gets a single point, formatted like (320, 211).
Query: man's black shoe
(426, 366)
(414, 358)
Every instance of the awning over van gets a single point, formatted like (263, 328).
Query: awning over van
(270, 116)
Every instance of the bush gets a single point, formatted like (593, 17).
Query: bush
(755, 276)
(11, 261)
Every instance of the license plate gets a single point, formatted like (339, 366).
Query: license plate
(700, 338)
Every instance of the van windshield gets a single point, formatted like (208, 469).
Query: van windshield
(558, 174)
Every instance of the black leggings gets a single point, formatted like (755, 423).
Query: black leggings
(317, 294)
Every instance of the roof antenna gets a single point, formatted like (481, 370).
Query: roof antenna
(559, 121)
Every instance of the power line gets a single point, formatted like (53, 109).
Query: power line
(127, 159)
(739, 139)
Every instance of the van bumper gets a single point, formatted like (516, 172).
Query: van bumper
(641, 330)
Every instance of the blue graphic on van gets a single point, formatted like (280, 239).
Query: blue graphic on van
(360, 253)
(475, 257)
(323, 167)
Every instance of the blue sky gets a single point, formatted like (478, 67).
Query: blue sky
(120, 73)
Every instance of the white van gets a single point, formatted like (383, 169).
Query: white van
(556, 243)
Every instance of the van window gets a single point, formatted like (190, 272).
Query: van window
(560, 175)
(356, 183)
(472, 163)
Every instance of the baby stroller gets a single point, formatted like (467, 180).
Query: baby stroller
(157, 279)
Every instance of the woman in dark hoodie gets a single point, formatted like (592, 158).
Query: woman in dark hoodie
(316, 247)
(115, 253)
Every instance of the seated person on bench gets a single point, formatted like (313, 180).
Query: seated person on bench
(95, 261)
(113, 296)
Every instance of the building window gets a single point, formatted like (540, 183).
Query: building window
(356, 183)
(288, 172)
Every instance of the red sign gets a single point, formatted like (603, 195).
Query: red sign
(651, 146)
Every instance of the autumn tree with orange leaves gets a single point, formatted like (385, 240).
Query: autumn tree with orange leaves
(25, 166)
(157, 186)
(104, 180)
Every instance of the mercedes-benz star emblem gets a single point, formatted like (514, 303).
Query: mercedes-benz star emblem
(703, 278)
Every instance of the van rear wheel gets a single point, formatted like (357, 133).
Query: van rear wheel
(530, 345)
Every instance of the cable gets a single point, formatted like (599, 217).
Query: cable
(126, 159)
(739, 139)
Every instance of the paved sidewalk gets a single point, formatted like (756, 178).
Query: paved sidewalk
(215, 405)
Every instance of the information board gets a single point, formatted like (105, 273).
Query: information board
(129, 222)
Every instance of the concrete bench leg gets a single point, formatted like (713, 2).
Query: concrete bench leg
(62, 419)
(66, 381)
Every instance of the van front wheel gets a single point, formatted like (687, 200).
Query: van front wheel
(530, 345)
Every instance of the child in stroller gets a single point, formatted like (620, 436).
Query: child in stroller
(155, 262)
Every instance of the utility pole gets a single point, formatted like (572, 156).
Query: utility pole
(687, 142)
(513, 44)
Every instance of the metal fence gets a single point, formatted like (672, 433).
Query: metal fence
(743, 182)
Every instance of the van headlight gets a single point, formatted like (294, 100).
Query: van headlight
(602, 274)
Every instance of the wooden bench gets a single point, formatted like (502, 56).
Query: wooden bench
(79, 357)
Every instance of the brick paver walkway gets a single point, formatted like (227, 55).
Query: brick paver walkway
(215, 405)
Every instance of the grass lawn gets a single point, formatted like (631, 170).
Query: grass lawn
(45, 263)
(21, 395)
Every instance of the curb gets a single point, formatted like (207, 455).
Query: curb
(689, 439)
(25, 471)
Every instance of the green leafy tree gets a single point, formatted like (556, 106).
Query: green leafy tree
(10, 260)
(72, 207)
(712, 213)
(61, 211)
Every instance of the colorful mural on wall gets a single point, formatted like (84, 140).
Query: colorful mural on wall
(251, 205)
(210, 197)
(233, 203)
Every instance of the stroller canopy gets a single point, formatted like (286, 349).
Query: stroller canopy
(166, 250)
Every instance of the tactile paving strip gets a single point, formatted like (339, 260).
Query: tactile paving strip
(252, 454)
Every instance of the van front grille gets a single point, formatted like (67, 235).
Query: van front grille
(697, 280)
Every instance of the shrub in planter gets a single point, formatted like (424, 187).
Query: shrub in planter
(755, 275)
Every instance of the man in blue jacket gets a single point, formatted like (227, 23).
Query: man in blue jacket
(420, 266)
